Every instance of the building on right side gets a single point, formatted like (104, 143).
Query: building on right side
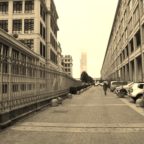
(124, 57)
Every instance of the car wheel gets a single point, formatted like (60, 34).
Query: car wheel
(137, 97)
(122, 93)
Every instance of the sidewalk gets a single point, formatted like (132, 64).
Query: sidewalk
(88, 118)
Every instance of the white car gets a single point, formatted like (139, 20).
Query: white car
(123, 89)
(96, 84)
(136, 91)
(115, 84)
(101, 84)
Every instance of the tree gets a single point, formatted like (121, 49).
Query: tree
(86, 78)
(90, 79)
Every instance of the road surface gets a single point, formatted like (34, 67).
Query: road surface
(88, 118)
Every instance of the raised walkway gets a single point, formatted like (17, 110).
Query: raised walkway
(88, 118)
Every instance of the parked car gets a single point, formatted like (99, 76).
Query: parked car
(123, 89)
(115, 84)
(136, 91)
(101, 84)
(97, 84)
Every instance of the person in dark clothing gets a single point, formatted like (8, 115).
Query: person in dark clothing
(105, 86)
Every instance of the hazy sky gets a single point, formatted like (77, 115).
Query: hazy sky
(85, 25)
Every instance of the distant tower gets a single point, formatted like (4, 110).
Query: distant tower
(83, 62)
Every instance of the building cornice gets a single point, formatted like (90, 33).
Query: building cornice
(10, 40)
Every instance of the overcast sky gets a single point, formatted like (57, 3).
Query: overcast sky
(85, 25)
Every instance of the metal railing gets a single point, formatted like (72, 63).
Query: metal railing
(23, 83)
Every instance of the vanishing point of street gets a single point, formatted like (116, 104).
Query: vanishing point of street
(87, 118)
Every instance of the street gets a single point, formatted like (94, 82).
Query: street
(87, 118)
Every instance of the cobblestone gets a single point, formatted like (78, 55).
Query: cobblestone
(88, 118)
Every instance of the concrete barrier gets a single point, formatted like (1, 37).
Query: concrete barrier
(69, 95)
(140, 102)
(60, 100)
(54, 102)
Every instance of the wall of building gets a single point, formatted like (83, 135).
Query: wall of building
(44, 17)
(125, 50)
(67, 64)
(22, 76)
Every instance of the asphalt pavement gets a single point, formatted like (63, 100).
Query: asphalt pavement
(87, 118)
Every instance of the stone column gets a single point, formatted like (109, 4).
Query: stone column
(135, 70)
(142, 41)
(9, 74)
(10, 17)
(1, 70)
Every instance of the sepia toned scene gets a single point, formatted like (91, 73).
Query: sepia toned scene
(71, 72)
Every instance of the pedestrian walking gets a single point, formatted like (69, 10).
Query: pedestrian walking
(105, 87)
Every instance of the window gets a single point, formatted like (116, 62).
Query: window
(4, 88)
(0, 58)
(131, 46)
(138, 39)
(42, 31)
(130, 25)
(54, 26)
(29, 67)
(17, 26)
(125, 17)
(17, 7)
(28, 42)
(127, 52)
(23, 87)
(3, 7)
(29, 86)
(53, 41)
(42, 13)
(5, 58)
(136, 16)
(4, 25)
(126, 34)
(42, 50)
(23, 65)
(123, 53)
(29, 6)
(15, 87)
(53, 57)
(28, 25)
(15, 65)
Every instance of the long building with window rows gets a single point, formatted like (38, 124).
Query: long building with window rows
(124, 57)
(33, 22)
(31, 70)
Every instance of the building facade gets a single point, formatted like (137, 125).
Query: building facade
(60, 57)
(34, 23)
(26, 85)
(83, 62)
(124, 57)
(67, 63)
